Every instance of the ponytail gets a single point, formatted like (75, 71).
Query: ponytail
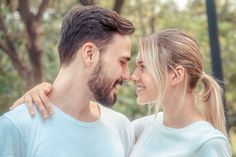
(211, 96)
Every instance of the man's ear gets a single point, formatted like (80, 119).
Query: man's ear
(89, 53)
(177, 75)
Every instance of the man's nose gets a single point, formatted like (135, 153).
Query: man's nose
(126, 75)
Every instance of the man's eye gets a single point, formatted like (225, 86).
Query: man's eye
(122, 62)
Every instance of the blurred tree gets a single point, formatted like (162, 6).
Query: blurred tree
(118, 4)
(33, 31)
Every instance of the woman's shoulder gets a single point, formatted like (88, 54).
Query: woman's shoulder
(215, 145)
(211, 141)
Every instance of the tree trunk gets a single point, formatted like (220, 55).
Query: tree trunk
(33, 31)
(32, 74)
(118, 5)
(87, 2)
(35, 51)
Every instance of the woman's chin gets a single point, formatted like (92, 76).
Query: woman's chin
(142, 102)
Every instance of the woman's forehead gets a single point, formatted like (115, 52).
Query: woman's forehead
(139, 59)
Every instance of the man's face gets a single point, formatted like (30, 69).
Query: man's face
(111, 70)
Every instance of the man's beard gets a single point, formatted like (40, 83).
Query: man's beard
(101, 86)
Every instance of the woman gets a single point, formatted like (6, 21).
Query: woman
(169, 74)
(192, 123)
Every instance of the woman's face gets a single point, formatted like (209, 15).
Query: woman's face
(146, 88)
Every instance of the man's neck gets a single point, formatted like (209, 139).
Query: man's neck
(74, 99)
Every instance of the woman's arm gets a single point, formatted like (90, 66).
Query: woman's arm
(38, 95)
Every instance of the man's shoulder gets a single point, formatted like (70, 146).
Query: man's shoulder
(112, 113)
(12, 140)
(114, 117)
(19, 114)
(121, 124)
(21, 118)
(145, 120)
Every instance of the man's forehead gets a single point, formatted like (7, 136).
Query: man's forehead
(120, 46)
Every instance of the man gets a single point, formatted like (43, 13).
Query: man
(94, 48)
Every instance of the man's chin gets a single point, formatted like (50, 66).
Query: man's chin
(111, 102)
(108, 102)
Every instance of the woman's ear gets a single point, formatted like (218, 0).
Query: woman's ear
(89, 53)
(177, 75)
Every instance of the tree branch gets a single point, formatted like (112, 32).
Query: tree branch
(118, 5)
(33, 30)
(10, 4)
(7, 38)
(3, 48)
(87, 2)
(11, 51)
(42, 8)
(24, 10)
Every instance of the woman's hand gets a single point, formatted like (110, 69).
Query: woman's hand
(38, 95)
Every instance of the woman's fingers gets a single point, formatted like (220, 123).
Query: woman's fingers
(29, 103)
(39, 103)
(46, 102)
(38, 95)
(47, 88)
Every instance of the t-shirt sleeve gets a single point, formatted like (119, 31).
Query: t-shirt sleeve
(11, 142)
(139, 125)
(216, 147)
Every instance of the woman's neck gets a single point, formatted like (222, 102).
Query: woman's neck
(181, 114)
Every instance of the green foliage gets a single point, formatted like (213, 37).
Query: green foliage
(10, 84)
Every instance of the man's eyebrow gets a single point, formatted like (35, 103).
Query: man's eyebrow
(126, 58)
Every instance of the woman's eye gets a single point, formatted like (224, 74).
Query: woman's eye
(142, 67)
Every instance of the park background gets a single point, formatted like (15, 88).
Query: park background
(29, 35)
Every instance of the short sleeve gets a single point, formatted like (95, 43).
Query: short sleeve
(216, 147)
(11, 142)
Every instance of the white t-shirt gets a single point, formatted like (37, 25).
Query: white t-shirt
(199, 139)
(63, 136)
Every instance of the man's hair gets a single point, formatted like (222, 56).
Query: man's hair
(89, 24)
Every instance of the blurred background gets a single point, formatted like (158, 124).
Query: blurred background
(29, 35)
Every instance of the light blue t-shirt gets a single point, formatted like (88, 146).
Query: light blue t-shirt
(64, 136)
(199, 139)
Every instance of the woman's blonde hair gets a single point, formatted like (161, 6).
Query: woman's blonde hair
(163, 51)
